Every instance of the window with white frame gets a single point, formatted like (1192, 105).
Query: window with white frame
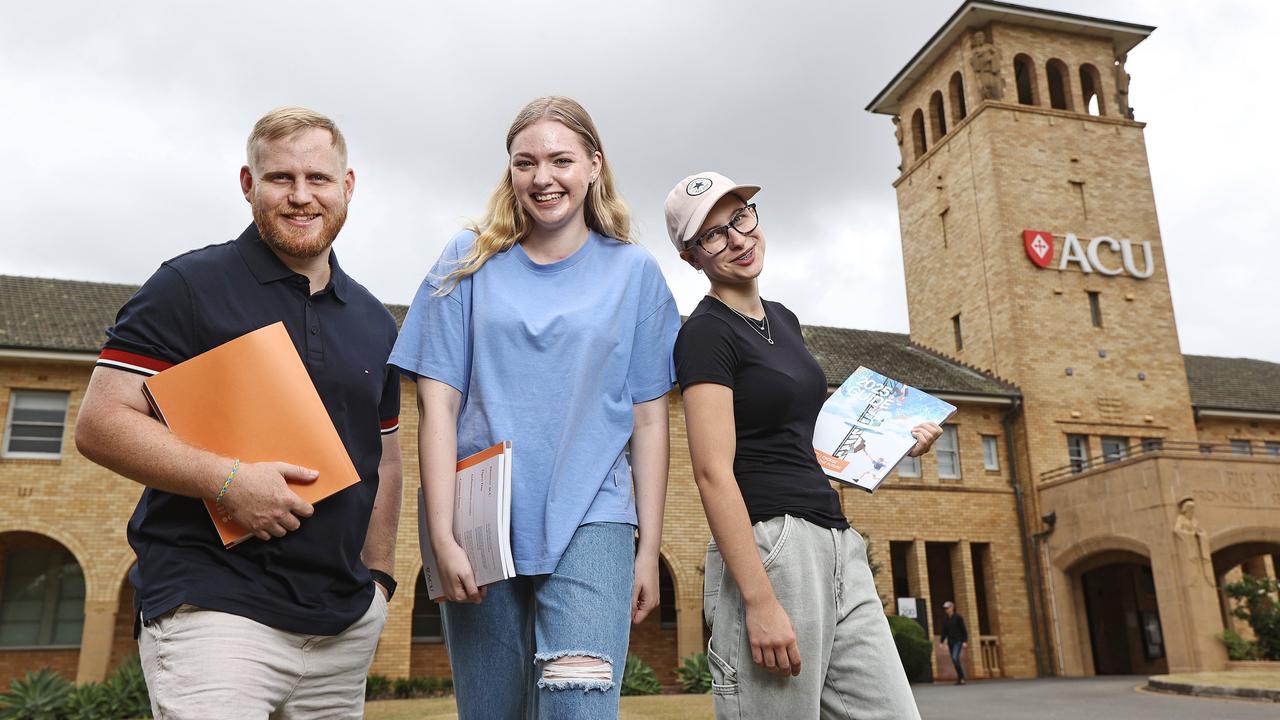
(1114, 448)
(990, 453)
(1241, 447)
(909, 467)
(947, 450)
(41, 599)
(35, 423)
(1271, 447)
(1078, 452)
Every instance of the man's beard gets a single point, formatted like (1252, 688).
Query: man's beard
(296, 242)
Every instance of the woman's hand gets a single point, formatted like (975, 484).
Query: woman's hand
(455, 573)
(925, 434)
(773, 639)
(644, 598)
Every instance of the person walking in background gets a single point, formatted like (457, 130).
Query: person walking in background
(283, 625)
(786, 580)
(956, 635)
(546, 326)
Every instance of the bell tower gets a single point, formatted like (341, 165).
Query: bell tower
(1029, 232)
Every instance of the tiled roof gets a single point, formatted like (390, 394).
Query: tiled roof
(72, 316)
(1220, 383)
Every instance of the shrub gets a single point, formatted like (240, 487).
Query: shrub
(127, 690)
(914, 648)
(37, 695)
(377, 687)
(91, 701)
(694, 674)
(1237, 647)
(638, 678)
(1255, 604)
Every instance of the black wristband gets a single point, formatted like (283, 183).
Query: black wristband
(385, 581)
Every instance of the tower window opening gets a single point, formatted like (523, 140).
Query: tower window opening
(937, 116)
(921, 146)
(942, 218)
(958, 111)
(1095, 307)
(955, 327)
(1024, 76)
(1059, 84)
(1091, 89)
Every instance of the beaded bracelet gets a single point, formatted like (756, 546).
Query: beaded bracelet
(226, 484)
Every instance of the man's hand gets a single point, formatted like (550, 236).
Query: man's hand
(773, 639)
(925, 434)
(260, 499)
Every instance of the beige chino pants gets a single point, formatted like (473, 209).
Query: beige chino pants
(208, 665)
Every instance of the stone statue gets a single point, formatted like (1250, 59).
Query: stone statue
(984, 57)
(1122, 87)
(1193, 539)
(897, 129)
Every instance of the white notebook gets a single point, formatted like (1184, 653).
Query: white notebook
(481, 519)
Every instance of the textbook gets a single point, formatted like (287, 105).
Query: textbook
(481, 519)
(251, 398)
(864, 428)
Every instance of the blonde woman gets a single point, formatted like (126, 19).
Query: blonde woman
(797, 630)
(544, 325)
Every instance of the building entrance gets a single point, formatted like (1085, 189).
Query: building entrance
(1124, 620)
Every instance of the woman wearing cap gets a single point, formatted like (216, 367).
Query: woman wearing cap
(797, 629)
(545, 326)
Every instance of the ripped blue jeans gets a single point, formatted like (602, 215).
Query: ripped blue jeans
(503, 651)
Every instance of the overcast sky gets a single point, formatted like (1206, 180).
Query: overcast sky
(124, 125)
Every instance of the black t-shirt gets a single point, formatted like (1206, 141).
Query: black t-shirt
(311, 580)
(778, 390)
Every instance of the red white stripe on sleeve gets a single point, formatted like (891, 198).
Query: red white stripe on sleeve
(131, 362)
(390, 426)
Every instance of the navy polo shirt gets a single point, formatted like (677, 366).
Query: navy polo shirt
(312, 580)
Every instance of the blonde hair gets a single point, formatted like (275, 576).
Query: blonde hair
(505, 223)
(284, 122)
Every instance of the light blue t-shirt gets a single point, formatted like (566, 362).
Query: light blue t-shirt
(551, 357)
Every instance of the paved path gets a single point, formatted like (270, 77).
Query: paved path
(1100, 698)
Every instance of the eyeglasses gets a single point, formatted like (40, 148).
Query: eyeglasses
(716, 239)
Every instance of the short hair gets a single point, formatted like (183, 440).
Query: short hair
(948, 604)
(286, 121)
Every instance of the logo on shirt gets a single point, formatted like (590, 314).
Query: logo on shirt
(697, 186)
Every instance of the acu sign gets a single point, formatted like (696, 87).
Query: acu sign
(1090, 258)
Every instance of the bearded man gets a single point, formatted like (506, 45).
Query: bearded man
(283, 625)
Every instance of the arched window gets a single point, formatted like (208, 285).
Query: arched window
(958, 111)
(41, 593)
(920, 145)
(937, 116)
(1024, 76)
(666, 596)
(1059, 85)
(1091, 89)
(426, 615)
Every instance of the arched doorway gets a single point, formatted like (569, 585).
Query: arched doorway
(427, 654)
(654, 640)
(123, 646)
(1256, 557)
(1122, 615)
(42, 593)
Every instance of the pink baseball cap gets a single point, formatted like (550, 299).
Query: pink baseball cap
(692, 198)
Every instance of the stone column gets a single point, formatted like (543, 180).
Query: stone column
(918, 585)
(1190, 616)
(689, 625)
(96, 639)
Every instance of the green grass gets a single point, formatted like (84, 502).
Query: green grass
(653, 707)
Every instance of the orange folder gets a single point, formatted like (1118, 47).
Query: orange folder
(251, 398)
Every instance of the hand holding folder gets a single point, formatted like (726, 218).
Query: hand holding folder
(252, 399)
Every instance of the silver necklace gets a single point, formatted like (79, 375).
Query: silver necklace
(761, 327)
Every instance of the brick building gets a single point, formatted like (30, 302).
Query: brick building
(1052, 511)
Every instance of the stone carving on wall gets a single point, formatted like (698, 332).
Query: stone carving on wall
(1193, 541)
(984, 58)
(1122, 87)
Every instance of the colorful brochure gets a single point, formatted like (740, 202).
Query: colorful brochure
(864, 428)
(481, 519)
(251, 398)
